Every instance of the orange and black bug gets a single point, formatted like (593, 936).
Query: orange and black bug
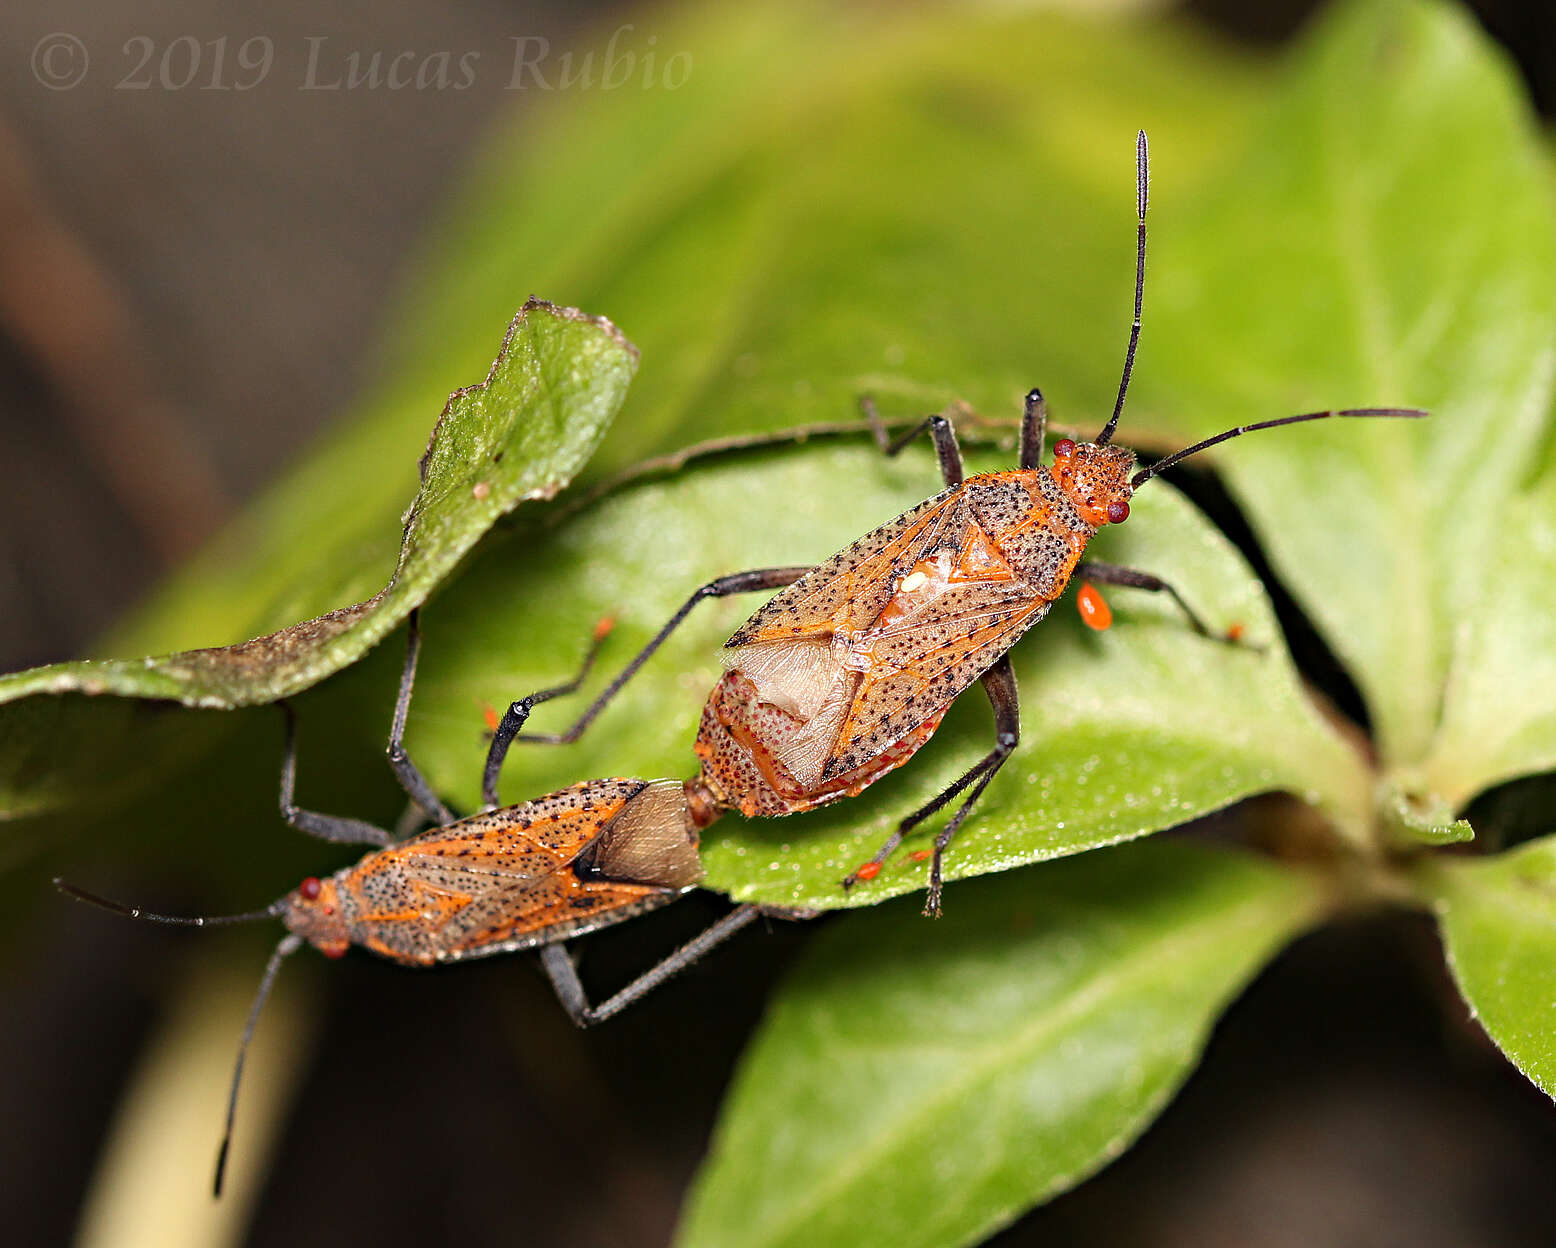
(847, 672)
(521, 877)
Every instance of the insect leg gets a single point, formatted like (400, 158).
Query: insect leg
(999, 682)
(558, 965)
(507, 730)
(325, 827)
(889, 846)
(941, 432)
(1034, 428)
(1112, 574)
(517, 712)
(408, 774)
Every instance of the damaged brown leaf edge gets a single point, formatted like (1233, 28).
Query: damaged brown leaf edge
(519, 435)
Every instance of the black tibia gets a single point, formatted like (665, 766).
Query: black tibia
(941, 432)
(410, 778)
(356, 831)
(508, 729)
(514, 717)
(511, 725)
(558, 965)
(1034, 428)
(1132, 578)
(326, 827)
(999, 682)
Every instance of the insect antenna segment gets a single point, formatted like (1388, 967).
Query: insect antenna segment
(1145, 474)
(290, 943)
(178, 920)
(1142, 191)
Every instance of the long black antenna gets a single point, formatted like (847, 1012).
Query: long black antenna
(1142, 185)
(290, 944)
(1145, 474)
(135, 912)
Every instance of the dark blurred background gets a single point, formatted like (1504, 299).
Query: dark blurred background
(190, 286)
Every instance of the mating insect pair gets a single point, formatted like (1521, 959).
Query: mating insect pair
(839, 679)
(846, 674)
(505, 879)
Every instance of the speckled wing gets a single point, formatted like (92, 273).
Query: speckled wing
(919, 664)
(500, 881)
(851, 589)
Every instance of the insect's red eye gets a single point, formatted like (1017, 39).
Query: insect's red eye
(1118, 512)
(309, 888)
(1064, 448)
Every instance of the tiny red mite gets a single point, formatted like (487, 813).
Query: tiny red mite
(1093, 607)
(847, 671)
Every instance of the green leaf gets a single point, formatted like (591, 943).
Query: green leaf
(953, 1074)
(521, 434)
(1387, 239)
(930, 218)
(1499, 712)
(1498, 918)
(1124, 733)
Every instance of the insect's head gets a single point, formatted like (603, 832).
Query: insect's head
(1095, 479)
(313, 912)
